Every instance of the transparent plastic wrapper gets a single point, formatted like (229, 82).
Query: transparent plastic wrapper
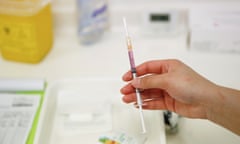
(26, 33)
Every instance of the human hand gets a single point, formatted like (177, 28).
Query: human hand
(170, 85)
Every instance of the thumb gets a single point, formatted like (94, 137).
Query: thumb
(151, 81)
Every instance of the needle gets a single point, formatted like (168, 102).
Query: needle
(134, 74)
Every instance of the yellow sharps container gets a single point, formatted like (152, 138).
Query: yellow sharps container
(26, 33)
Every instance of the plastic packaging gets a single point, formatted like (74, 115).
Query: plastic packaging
(25, 29)
(92, 20)
(119, 137)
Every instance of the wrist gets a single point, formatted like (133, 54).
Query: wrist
(224, 110)
(214, 103)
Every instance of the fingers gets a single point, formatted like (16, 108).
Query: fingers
(153, 75)
(157, 66)
(154, 104)
(127, 89)
(149, 84)
(145, 95)
(127, 76)
(152, 100)
(152, 81)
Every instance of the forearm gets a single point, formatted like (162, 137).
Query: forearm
(225, 109)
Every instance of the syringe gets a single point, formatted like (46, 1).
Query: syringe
(134, 74)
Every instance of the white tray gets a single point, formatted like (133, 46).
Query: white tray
(81, 97)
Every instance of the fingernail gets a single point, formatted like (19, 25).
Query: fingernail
(136, 82)
(126, 76)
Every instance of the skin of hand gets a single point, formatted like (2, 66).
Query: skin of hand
(172, 85)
